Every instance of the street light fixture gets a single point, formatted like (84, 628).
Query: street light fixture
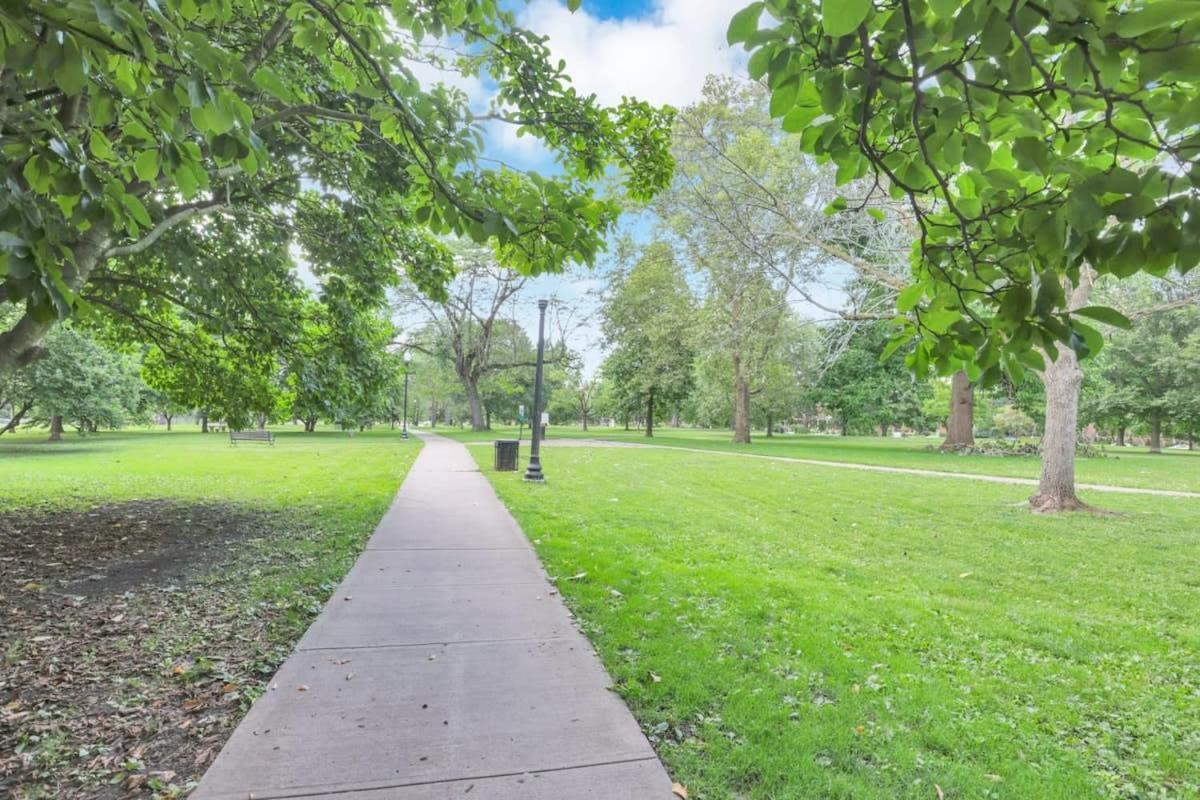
(407, 366)
(533, 472)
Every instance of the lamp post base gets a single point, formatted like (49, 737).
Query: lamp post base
(533, 473)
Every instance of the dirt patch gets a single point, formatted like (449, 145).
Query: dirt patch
(110, 549)
(128, 651)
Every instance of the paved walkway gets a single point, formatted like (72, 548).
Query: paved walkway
(444, 666)
(935, 473)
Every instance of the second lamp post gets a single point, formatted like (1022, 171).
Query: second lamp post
(533, 472)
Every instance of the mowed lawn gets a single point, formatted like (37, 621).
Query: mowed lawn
(337, 484)
(794, 631)
(1177, 470)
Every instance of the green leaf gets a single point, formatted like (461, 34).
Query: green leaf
(907, 299)
(799, 117)
(269, 81)
(841, 17)
(573, 5)
(136, 210)
(1109, 316)
(1014, 305)
(945, 8)
(146, 165)
(1162, 14)
(976, 152)
(744, 23)
(37, 174)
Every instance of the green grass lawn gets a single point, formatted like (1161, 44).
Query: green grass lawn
(339, 484)
(130, 692)
(791, 631)
(1130, 466)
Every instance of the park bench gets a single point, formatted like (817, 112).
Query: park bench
(251, 436)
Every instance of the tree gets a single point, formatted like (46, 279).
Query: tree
(1036, 144)
(575, 398)
(746, 206)
(1149, 362)
(80, 383)
(1030, 139)
(123, 123)
(960, 422)
(864, 389)
(647, 322)
(467, 328)
(341, 369)
(223, 379)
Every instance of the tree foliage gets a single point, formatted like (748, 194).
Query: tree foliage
(122, 121)
(648, 324)
(1030, 138)
(865, 389)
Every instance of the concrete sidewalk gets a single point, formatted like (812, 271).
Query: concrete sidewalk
(442, 667)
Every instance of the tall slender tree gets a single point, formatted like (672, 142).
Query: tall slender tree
(648, 322)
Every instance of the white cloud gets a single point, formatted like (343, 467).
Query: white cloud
(662, 57)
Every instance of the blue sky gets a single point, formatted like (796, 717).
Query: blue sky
(617, 9)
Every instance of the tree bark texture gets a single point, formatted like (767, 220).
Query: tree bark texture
(960, 423)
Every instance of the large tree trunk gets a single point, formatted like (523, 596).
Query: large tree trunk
(168, 417)
(650, 414)
(883, 429)
(741, 403)
(478, 423)
(1063, 379)
(56, 428)
(585, 420)
(1120, 435)
(770, 427)
(204, 422)
(1156, 434)
(960, 424)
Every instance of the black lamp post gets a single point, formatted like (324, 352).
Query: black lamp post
(407, 367)
(533, 472)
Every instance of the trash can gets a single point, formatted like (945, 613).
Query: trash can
(507, 451)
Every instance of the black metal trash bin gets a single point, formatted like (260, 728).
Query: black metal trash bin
(507, 451)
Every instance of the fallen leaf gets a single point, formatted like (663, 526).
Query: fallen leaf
(655, 678)
(679, 790)
(941, 794)
(966, 574)
(302, 688)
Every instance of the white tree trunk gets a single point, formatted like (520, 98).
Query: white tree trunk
(1063, 379)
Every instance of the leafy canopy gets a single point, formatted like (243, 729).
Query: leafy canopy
(123, 119)
(1030, 137)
